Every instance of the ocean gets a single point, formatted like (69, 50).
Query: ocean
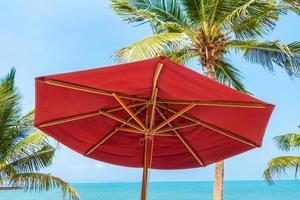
(233, 190)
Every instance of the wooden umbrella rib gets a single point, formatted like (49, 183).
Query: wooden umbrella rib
(131, 130)
(155, 78)
(69, 119)
(118, 108)
(122, 103)
(177, 114)
(90, 89)
(82, 116)
(153, 106)
(212, 127)
(177, 127)
(164, 135)
(119, 120)
(188, 146)
(103, 140)
(214, 103)
(185, 143)
(154, 93)
(147, 116)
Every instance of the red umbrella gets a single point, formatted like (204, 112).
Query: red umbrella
(153, 113)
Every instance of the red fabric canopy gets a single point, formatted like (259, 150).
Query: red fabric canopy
(84, 111)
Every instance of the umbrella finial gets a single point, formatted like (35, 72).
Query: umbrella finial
(163, 58)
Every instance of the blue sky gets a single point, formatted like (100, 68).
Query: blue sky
(54, 36)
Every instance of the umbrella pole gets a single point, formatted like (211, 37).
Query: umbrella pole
(149, 133)
(147, 162)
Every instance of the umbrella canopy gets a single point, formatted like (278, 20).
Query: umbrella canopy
(153, 113)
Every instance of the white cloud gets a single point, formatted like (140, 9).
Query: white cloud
(80, 167)
(99, 166)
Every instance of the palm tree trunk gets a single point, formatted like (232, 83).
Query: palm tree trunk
(218, 184)
(219, 166)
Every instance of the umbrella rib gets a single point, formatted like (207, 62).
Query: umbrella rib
(118, 108)
(181, 138)
(153, 101)
(213, 127)
(90, 89)
(69, 119)
(123, 104)
(154, 94)
(155, 77)
(119, 119)
(103, 140)
(215, 103)
(165, 135)
(82, 116)
(174, 116)
(132, 130)
(177, 127)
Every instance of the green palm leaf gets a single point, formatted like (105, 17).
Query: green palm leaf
(22, 154)
(24, 124)
(253, 19)
(293, 5)
(35, 161)
(230, 76)
(130, 13)
(196, 10)
(42, 182)
(143, 10)
(269, 53)
(150, 47)
(9, 110)
(288, 141)
(26, 146)
(278, 166)
(183, 55)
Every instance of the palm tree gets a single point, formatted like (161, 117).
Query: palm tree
(23, 153)
(210, 31)
(293, 5)
(278, 166)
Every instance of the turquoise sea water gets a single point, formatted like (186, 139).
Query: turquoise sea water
(233, 190)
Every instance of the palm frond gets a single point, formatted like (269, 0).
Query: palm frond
(219, 10)
(150, 47)
(130, 13)
(253, 19)
(288, 141)
(196, 11)
(21, 153)
(22, 127)
(5, 170)
(9, 110)
(26, 147)
(9, 79)
(240, 9)
(183, 55)
(141, 11)
(293, 5)
(278, 166)
(36, 161)
(230, 76)
(42, 182)
(269, 53)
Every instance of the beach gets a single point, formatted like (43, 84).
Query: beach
(233, 190)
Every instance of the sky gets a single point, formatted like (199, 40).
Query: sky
(54, 36)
